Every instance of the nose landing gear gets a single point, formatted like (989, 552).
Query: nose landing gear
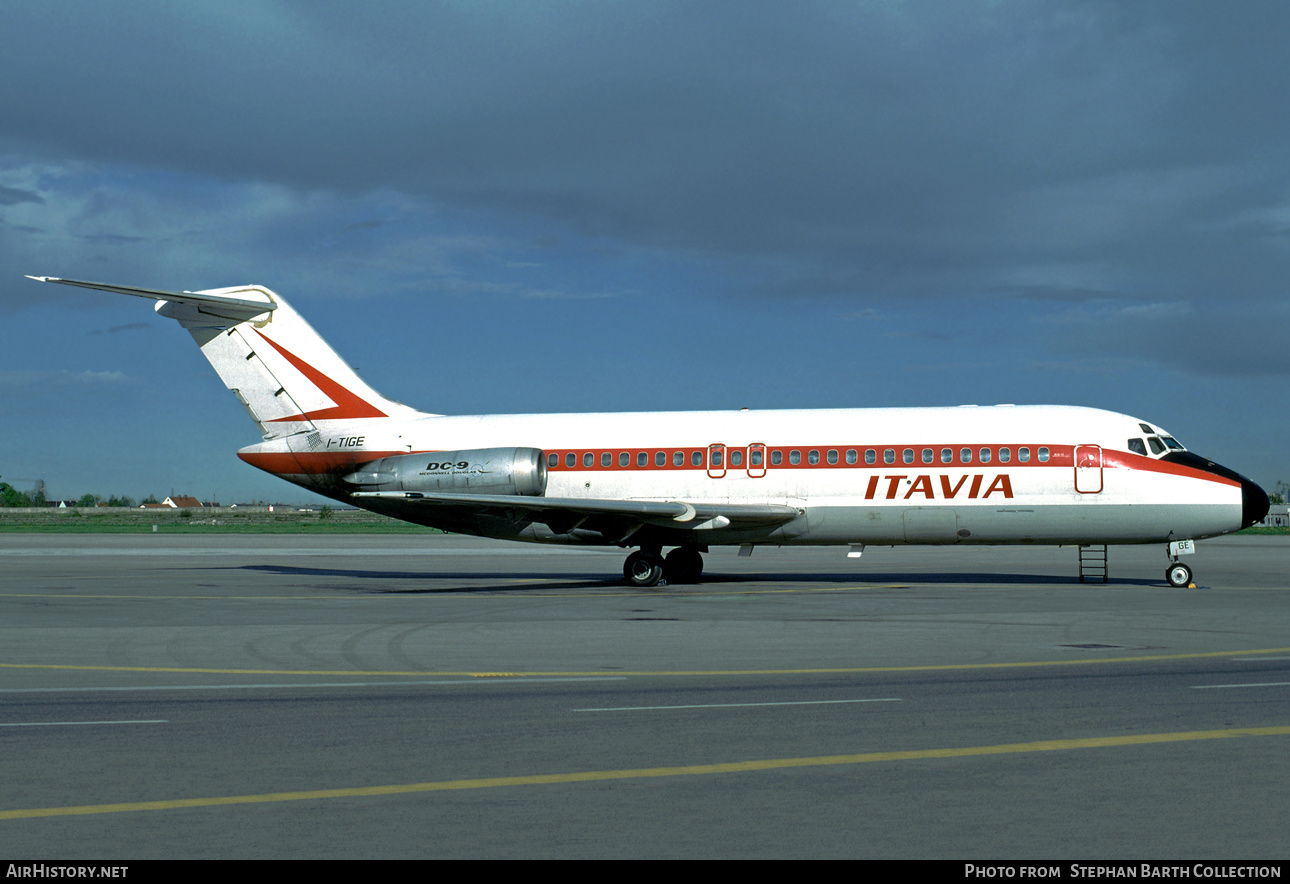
(1177, 573)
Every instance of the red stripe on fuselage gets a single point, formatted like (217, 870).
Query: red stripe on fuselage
(322, 462)
(1057, 456)
(1130, 461)
(311, 462)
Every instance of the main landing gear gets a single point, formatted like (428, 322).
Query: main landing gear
(646, 567)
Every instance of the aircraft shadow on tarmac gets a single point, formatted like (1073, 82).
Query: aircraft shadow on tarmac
(513, 580)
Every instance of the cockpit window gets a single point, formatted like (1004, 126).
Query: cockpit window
(1156, 446)
(1174, 444)
(1137, 446)
(1146, 429)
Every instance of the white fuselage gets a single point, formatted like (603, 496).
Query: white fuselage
(1001, 474)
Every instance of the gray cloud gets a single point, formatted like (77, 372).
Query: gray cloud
(11, 196)
(1235, 341)
(1071, 152)
(43, 379)
(129, 326)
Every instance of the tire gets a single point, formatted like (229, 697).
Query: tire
(1178, 575)
(683, 565)
(643, 569)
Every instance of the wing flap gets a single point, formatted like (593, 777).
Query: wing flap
(670, 513)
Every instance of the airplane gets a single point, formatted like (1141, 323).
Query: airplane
(1004, 474)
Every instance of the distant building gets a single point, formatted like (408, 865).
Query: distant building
(178, 501)
(1277, 517)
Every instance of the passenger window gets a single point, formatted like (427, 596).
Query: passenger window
(927, 455)
(570, 459)
(851, 455)
(553, 460)
(1005, 455)
(696, 459)
(624, 459)
(660, 458)
(716, 458)
(588, 459)
(1043, 455)
(678, 459)
(1157, 447)
(907, 455)
(984, 454)
(642, 459)
(870, 456)
(947, 455)
(812, 456)
(795, 456)
(606, 459)
(832, 455)
(1137, 446)
(736, 458)
(776, 457)
(889, 455)
(965, 455)
(754, 457)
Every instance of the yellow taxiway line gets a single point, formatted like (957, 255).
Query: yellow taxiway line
(840, 670)
(734, 767)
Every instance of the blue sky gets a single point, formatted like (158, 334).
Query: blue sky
(604, 206)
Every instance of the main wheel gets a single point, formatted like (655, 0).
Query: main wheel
(643, 569)
(683, 565)
(1178, 575)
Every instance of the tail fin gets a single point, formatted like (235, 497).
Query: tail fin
(281, 370)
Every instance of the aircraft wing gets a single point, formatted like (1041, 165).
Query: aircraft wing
(668, 514)
(235, 304)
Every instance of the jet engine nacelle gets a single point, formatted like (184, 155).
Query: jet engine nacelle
(473, 471)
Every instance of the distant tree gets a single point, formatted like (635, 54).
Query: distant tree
(121, 501)
(10, 496)
(151, 498)
(88, 500)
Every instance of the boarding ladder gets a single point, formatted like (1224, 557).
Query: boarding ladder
(1092, 564)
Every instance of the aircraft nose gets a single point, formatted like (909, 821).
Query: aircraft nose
(1254, 503)
(1254, 500)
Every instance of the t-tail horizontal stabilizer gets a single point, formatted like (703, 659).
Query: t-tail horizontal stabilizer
(233, 304)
